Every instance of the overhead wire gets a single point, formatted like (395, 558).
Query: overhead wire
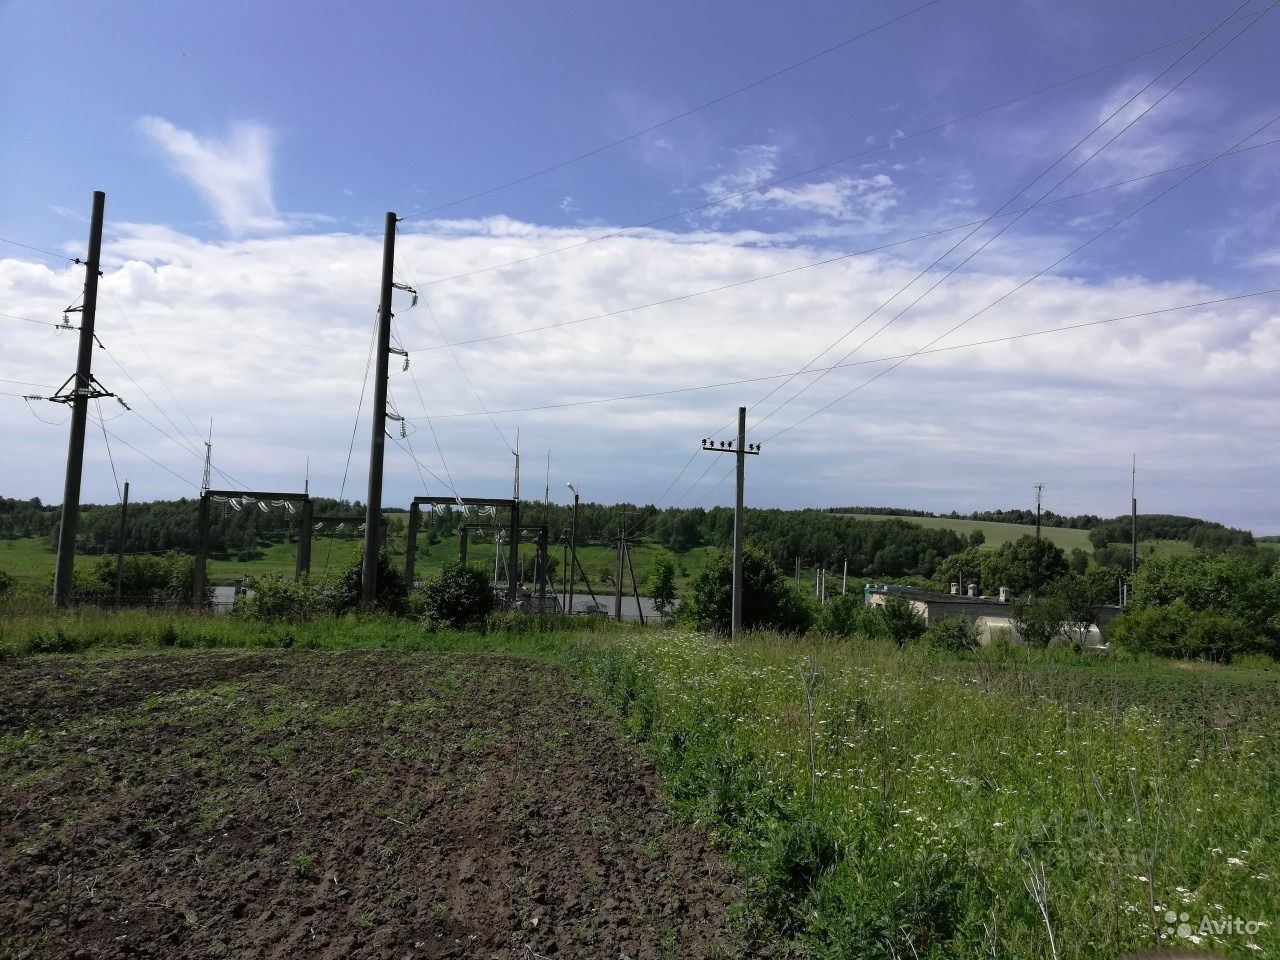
(364, 385)
(765, 378)
(827, 261)
(1097, 236)
(150, 360)
(1235, 14)
(426, 302)
(1004, 228)
(107, 442)
(673, 119)
(47, 253)
(889, 143)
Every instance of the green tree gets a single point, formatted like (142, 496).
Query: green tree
(1038, 620)
(1014, 564)
(769, 599)
(1081, 596)
(901, 621)
(662, 582)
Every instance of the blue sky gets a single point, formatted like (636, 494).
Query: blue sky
(249, 152)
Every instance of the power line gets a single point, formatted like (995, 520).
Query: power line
(1132, 213)
(44, 323)
(680, 116)
(364, 384)
(430, 424)
(47, 253)
(722, 384)
(838, 258)
(120, 439)
(154, 366)
(1203, 37)
(110, 459)
(1017, 217)
(890, 142)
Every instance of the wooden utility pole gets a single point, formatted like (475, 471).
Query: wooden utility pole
(124, 529)
(85, 389)
(378, 437)
(742, 450)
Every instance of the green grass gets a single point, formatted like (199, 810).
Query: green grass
(967, 808)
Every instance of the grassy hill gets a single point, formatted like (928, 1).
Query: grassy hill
(1000, 533)
(997, 533)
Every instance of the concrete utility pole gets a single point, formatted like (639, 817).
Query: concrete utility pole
(378, 438)
(84, 390)
(635, 587)
(1035, 573)
(1133, 517)
(573, 545)
(743, 450)
(124, 529)
(617, 580)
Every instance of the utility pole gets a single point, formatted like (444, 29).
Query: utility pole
(1035, 573)
(844, 579)
(85, 389)
(635, 587)
(124, 528)
(742, 451)
(1133, 517)
(617, 580)
(378, 437)
(573, 545)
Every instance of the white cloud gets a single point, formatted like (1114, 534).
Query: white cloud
(233, 175)
(865, 200)
(269, 336)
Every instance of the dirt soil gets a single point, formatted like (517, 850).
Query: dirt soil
(360, 804)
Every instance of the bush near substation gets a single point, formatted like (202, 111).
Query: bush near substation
(283, 598)
(457, 596)
(392, 595)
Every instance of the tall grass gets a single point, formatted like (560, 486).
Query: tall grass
(952, 815)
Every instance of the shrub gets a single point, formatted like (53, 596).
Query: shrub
(457, 596)
(901, 622)
(7, 583)
(769, 599)
(281, 598)
(247, 555)
(145, 580)
(953, 633)
(848, 615)
(1179, 631)
(392, 593)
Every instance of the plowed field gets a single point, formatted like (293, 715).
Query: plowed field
(361, 804)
